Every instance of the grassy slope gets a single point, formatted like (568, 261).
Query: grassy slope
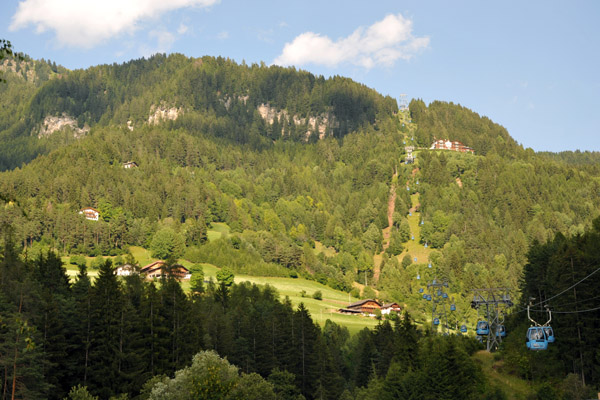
(321, 310)
(414, 247)
(513, 387)
(217, 230)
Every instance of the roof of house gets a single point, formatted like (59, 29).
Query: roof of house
(159, 264)
(388, 305)
(89, 208)
(361, 302)
(126, 266)
(347, 310)
(449, 144)
(153, 266)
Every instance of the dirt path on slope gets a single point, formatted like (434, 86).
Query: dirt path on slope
(387, 231)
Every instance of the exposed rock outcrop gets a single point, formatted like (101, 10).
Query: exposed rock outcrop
(53, 124)
(163, 113)
(20, 68)
(226, 101)
(318, 123)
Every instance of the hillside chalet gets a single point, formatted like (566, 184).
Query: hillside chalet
(366, 307)
(130, 164)
(158, 268)
(445, 144)
(126, 270)
(90, 213)
(391, 308)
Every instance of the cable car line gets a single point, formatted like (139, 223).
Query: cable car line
(569, 288)
(555, 296)
(569, 312)
(577, 302)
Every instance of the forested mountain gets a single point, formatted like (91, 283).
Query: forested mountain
(291, 163)
(280, 191)
(585, 160)
(215, 95)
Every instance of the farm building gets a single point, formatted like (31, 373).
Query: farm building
(391, 308)
(445, 144)
(90, 213)
(158, 268)
(367, 307)
(126, 270)
(130, 164)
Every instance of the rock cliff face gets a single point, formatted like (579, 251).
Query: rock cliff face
(226, 100)
(318, 124)
(163, 113)
(19, 68)
(31, 71)
(52, 124)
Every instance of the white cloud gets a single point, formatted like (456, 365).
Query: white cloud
(85, 23)
(182, 29)
(265, 35)
(223, 35)
(162, 39)
(382, 43)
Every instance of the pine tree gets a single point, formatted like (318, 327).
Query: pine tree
(106, 313)
(53, 319)
(156, 332)
(133, 345)
(406, 343)
(22, 361)
(306, 336)
(80, 338)
(175, 312)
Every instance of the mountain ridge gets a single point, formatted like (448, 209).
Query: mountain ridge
(216, 159)
(207, 87)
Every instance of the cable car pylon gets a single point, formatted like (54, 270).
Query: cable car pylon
(438, 298)
(493, 302)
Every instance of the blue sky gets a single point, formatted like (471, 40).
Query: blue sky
(533, 67)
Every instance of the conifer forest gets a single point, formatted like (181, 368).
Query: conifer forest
(287, 199)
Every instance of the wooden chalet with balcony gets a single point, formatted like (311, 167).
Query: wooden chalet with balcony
(445, 144)
(130, 164)
(160, 268)
(389, 308)
(366, 307)
(90, 213)
(126, 270)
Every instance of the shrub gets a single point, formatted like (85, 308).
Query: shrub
(78, 260)
(97, 262)
(368, 293)
(167, 243)
(317, 295)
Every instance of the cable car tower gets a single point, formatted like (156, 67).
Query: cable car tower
(403, 103)
(493, 302)
(438, 304)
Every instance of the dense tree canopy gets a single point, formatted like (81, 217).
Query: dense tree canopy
(290, 199)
